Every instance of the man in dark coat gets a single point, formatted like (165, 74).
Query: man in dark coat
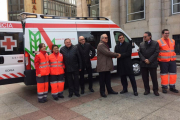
(73, 65)
(105, 65)
(124, 64)
(148, 53)
(85, 49)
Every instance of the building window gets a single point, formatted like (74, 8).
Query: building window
(64, 8)
(177, 43)
(135, 10)
(93, 37)
(15, 7)
(175, 6)
(137, 40)
(94, 8)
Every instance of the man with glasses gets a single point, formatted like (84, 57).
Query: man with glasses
(148, 53)
(167, 61)
(105, 65)
(124, 64)
(87, 52)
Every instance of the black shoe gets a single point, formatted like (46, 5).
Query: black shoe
(135, 93)
(60, 96)
(156, 93)
(45, 100)
(174, 90)
(112, 92)
(123, 91)
(82, 91)
(56, 98)
(77, 95)
(104, 95)
(91, 90)
(70, 95)
(146, 92)
(164, 90)
(41, 101)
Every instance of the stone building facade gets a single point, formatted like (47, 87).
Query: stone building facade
(137, 16)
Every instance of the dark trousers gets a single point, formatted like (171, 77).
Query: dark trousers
(73, 82)
(89, 71)
(105, 79)
(145, 77)
(125, 83)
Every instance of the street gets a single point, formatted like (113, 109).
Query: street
(19, 102)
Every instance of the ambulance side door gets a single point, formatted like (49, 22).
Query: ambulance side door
(11, 56)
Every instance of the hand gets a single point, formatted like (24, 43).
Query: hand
(79, 69)
(119, 55)
(146, 61)
(39, 75)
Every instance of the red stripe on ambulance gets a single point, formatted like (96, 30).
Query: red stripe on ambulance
(14, 75)
(21, 74)
(39, 25)
(6, 76)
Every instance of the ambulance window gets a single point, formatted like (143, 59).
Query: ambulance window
(116, 34)
(93, 37)
(11, 43)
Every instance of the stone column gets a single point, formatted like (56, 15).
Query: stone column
(115, 11)
(155, 16)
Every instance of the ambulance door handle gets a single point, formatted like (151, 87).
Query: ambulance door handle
(1, 60)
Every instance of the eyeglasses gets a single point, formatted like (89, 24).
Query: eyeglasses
(144, 36)
(166, 33)
(81, 39)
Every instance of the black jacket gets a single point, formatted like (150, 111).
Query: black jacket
(72, 58)
(149, 51)
(124, 63)
(87, 52)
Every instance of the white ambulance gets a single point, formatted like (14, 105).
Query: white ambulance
(53, 30)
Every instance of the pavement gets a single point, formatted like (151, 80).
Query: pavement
(19, 102)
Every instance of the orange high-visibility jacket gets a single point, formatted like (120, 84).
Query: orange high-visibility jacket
(166, 52)
(44, 64)
(56, 64)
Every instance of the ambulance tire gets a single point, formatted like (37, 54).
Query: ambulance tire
(136, 67)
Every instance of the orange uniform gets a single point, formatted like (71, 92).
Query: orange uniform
(42, 66)
(167, 57)
(56, 74)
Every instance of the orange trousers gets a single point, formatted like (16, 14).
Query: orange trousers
(57, 85)
(168, 74)
(42, 87)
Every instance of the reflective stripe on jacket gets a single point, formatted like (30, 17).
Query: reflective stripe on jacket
(56, 64)
(166, 53)
(44, 64)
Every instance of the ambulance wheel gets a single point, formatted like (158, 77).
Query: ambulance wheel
(136, 67)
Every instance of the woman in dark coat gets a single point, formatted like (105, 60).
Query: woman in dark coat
(124, 64)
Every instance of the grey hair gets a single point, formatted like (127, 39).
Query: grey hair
(102, 36)
(67, 39)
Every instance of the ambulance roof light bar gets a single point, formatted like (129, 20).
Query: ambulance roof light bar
(25, 15)
(73, 18)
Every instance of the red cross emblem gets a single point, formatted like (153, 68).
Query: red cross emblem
(8, 43)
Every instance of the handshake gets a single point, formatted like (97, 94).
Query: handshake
(119, 55)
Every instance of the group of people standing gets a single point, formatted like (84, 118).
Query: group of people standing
(73, 60)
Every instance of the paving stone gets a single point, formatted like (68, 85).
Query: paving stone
(34, 115)
(130, 114)
(167, 114)
(152, 117)
(84, 108)
(80, 118)
(47, 118)
(7, 114)
(114, 117)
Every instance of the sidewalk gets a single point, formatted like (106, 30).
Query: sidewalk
(19, 102)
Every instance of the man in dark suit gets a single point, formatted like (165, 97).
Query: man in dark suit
(148, 53)
(85, 49)
(124, 64)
